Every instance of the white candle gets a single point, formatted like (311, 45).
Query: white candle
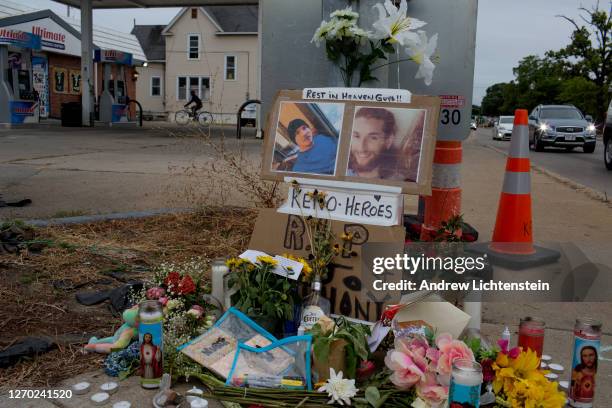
(81, 388)
(110, 387)
(467, 378)
(218, 271)
(100, 398)
(199, 403)
(122, 404)
(466, 374)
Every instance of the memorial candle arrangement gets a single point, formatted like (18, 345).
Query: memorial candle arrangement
(150, 336)
(466, 379)
(531, 335)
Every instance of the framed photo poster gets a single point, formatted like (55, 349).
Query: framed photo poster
(348, 140)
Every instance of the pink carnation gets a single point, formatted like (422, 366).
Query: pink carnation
(431, 392)
(450, 350)
(197, 311)
(155, 293)
(163, 300)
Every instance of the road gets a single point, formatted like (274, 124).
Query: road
(584, 168)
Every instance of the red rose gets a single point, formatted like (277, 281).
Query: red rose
(488, 374)
(186, 286)
(172, 281)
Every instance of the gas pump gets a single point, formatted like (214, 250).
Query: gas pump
(113, 101)
(18, 99)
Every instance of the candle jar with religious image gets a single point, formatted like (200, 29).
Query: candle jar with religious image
(150, 336)
(466, 380)
(531, 334)
(587, 338)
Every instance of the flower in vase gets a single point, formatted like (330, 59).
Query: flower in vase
(341, 390)
(155, 293)
(186, 285)
(345, 13)
(421, 52)
(450, 350)
(395, 25)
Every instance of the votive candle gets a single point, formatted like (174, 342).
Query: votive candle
(466, 380)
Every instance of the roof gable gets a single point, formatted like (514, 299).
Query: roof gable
(226, 19)
(151, 40)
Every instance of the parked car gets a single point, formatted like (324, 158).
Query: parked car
(473, 125)
(561, 126)
(503, 128)
(607, 138)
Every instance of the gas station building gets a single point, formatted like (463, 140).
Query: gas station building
(40, 57)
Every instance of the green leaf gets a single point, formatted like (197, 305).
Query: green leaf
(321, 347)
(372, 396)
(351, 362)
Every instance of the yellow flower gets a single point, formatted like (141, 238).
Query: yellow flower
(267, 259)
(231, 263)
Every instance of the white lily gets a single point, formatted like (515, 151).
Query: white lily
(341, 390)
(395, 24)
(421, 52)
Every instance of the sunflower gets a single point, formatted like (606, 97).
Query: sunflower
(267, 259)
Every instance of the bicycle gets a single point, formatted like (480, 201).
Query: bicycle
(183, 117)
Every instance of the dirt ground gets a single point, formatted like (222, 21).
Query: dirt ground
(39, 287)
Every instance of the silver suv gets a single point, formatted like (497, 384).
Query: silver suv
(561, 126)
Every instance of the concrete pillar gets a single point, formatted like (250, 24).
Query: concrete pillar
(87, 84)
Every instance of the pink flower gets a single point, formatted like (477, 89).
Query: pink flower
(365, 370)
(197, 311)
(450, 350)
(503, 345)
(155, 293)
(431, 392)
(406, 371)
(163, 300)
(433, 354)
(515, 352)
(415, 347)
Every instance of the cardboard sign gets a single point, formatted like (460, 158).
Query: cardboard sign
(345, 285)
(346, 204)
(359, 94)
(382, 143)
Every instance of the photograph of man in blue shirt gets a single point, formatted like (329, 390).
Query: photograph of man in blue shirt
(317, 154)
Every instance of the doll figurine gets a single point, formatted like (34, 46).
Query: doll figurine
(122, 337)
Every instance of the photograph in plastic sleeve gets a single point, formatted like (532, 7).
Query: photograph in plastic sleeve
(307, 138)
(386, 143)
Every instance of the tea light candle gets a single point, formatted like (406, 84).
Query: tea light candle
(556, 367)
(219, 269)
(546, 357)
(109, 387)
(194, 394)
(466, 380)
(551, 376)
(199, 403)
(564, 384)
(122, 404)
(543, 365)
(100, 398)
(81, 388)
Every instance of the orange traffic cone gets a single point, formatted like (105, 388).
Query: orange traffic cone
(513, 228)
(512, 245)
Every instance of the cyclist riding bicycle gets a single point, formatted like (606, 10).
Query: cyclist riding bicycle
(197, 101)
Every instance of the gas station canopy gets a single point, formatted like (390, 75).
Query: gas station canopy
(111, 4)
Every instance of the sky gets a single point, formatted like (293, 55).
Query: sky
(507, 30)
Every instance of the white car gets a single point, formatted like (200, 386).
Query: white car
(503, 128)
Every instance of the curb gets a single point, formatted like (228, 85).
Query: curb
(86, 219)
(589, 192)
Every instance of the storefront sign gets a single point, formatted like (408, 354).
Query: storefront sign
(40, 82)
(19, 38)
(24, 112)
(53, 37)
(117, 57)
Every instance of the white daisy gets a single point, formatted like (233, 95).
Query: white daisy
(340, 390)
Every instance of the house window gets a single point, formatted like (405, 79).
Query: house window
(155, 86)
(193, 47)
(186, 84)
(194, 13)
(230, 67)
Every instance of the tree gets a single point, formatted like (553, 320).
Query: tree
(580, 92)
(591, 61)
(493, 100)
(538, 80)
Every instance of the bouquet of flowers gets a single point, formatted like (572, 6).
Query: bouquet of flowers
(180, 289)
(345, 42)
(424, 364)
(519, 382)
